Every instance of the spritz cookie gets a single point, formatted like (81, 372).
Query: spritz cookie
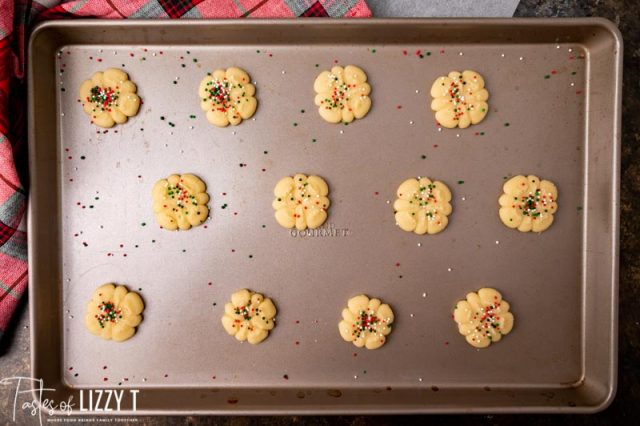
(366, 322)
(342, 94)
(180, 201)
(528, 203)
(422, 206)
(483, 318)
(227, 96)
(109, 97)
(114, 312)
(301, 201)
(249, 316)
(459, 99)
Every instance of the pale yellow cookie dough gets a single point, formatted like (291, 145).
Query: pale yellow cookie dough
(109, 97)
(459, 100)
(422, 206)
(180, 201)
(342, 94)
(249, 316)
(528, 203)
(301, 201)
(483, 318)
(227, 96)
(114, 312)
(366, 322)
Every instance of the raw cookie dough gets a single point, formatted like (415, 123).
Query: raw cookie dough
(249, 316)
(301, 201)
(109, 97)
(227, 96)
(459, 99)
(366, 322)
(114, 312)
(342, 94)
(422, 206)
(528, 203)
(483, 318)
(180, 201)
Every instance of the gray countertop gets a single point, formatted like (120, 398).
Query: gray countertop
(14, 348)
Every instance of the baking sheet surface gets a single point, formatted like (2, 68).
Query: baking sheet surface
(535, 126)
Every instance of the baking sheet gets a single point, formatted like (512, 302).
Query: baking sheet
(542, 76)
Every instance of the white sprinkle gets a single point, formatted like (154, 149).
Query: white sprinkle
(570, 50)
(388, 201)
(572, 84)
(417, 91)
(100, 51)
(342, 132)
(457, 135)
(355, 377)
(153, 54)
(502, 54)
(67, 311)
(497, 242)
(411, 315)
(449, 269)
(419, 379)
(70, 316)
(460, 53)
(463, 198)
(191, 127)
(419, 244)
(411, 122)
(115, 53)
(62, 114)
(439, 129)
(521, 58)
(284, 72)
(424, 295)
(557, 46)
(144, 380)
(253, 119)
(233, 132)
(254, 83)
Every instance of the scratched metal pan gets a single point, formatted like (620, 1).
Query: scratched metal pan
(554, 112)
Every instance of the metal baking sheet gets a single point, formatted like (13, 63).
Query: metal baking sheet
(555, 96)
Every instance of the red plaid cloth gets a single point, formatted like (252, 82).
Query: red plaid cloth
(16, 19)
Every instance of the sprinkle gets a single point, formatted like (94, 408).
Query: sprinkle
(506, 124)
(460, 182)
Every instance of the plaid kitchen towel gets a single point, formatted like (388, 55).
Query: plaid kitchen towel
(16, 19)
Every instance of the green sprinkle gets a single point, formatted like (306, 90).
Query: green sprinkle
(506, 124)
(460, 182)
(428, 53)
(317, 65)
(424, 157)
(547, 76)
(579, 208)
(302, 111)
(195, 59)
(573, 73)
(257, 51)
(82, 157)
(313, 140)
(192, 116)
(143, 224)
(295, 124)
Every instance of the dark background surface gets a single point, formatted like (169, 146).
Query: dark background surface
(625, 409)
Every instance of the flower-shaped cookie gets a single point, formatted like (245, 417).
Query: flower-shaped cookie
(249, 316)
(342, 94)
(459, 99)
(227, 96)
(422, 206)
(366, 322)
(114, 312)
(180, 201)
(301, 201)
(109, 97)
(528, 203)
(483, 318)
